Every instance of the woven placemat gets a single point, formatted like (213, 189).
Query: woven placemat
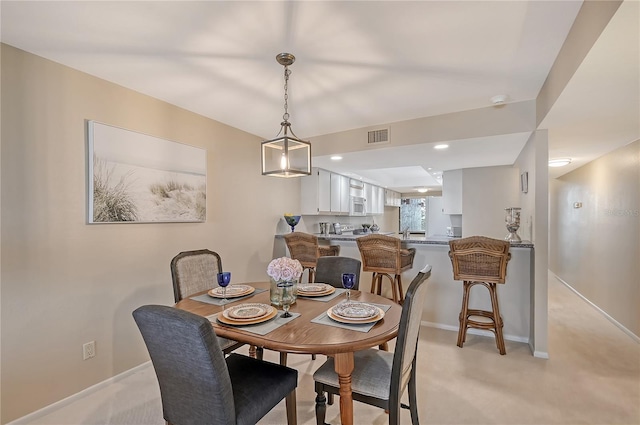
(204, 298)
(325, 298)
(259, 328)
(324, 319)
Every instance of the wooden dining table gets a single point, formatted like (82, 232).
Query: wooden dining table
(301, 336)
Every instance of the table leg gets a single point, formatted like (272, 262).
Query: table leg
(344, 366)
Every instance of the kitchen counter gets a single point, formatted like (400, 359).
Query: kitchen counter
(413, 239)
(442, 306)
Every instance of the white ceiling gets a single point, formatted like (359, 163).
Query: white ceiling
(359, 63)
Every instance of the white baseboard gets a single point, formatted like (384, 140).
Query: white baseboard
(87, 391)
(474, 331)
(601, 311)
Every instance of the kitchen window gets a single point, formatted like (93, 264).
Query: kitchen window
(413, 215)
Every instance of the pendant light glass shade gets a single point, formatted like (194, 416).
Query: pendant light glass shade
(286, 155)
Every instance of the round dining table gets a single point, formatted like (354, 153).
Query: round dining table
(302, 336)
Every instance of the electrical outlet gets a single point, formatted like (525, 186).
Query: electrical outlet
(88, 350)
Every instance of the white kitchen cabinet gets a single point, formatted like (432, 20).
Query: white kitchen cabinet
(375, 199)
(368, 196)
(380, 200)
(339, 194)
(324, 192)
(315, 192)
(391, 198)
(452, 192)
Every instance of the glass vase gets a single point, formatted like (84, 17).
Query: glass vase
(274, 292)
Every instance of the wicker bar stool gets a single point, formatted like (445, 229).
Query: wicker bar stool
(384, 256)
(478, 260)
(304, 248)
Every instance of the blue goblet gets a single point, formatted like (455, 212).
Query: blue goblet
(224, 278)
(292, 221)
(348, 281)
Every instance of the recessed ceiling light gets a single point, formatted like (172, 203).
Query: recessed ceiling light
(559, 162)
(443, 146)
(336, 158)
(428, 169)
(423, 190)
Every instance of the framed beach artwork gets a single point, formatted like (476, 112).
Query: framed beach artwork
(137, 178)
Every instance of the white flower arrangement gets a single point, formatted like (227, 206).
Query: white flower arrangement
(284, 269)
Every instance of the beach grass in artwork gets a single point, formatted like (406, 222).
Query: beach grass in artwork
(140, 178)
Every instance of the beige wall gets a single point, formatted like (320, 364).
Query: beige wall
(63, 282)
(596, 248)
(535, 224)
(486, 192)
(518, 117)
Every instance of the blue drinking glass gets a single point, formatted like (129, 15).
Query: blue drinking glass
(224, 278)
(348, 281)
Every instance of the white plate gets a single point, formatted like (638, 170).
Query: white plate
(247, 311)
(313, 288)
(232, 291)
(373, 319)
(355, 311)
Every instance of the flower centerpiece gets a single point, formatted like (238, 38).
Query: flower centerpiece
(292, 220)
(283, 269)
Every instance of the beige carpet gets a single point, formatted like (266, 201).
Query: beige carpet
(592, 377)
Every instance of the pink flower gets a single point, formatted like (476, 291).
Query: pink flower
(284, 268)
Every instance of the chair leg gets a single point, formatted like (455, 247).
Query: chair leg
(398, 282)
(313, 357)
(413, 399)
(330, 399)
(497, 320)
(373, 283)
(290, 402)
(321, 407)
(312, 275)
(283, 359)
(462, 332)
(256, 352)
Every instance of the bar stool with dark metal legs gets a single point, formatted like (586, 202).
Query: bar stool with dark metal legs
(478, 260)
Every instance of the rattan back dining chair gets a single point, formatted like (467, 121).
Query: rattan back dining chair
(198, 385)
(196, 271)
(330, 269)
(379, 378)
(478, 260)
(384, 256)
(304, 247)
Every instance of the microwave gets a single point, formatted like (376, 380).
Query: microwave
(357, 206)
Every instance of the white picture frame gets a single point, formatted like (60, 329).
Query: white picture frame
(138, 178)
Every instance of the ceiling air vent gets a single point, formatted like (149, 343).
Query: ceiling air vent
(378, 136)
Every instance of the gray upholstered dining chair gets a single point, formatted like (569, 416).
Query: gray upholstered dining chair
(198, 385)
(379, 377)
(195, 271)
(330, 269)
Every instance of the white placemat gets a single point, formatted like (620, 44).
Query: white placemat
(259, 328)
(325, 298)
(205, 298)
(324, 319)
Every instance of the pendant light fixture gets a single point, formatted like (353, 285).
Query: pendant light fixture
(286, 155)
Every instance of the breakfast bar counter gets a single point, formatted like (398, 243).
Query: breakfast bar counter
(444, 299)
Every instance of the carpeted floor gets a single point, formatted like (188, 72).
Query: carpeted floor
(592, 377)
